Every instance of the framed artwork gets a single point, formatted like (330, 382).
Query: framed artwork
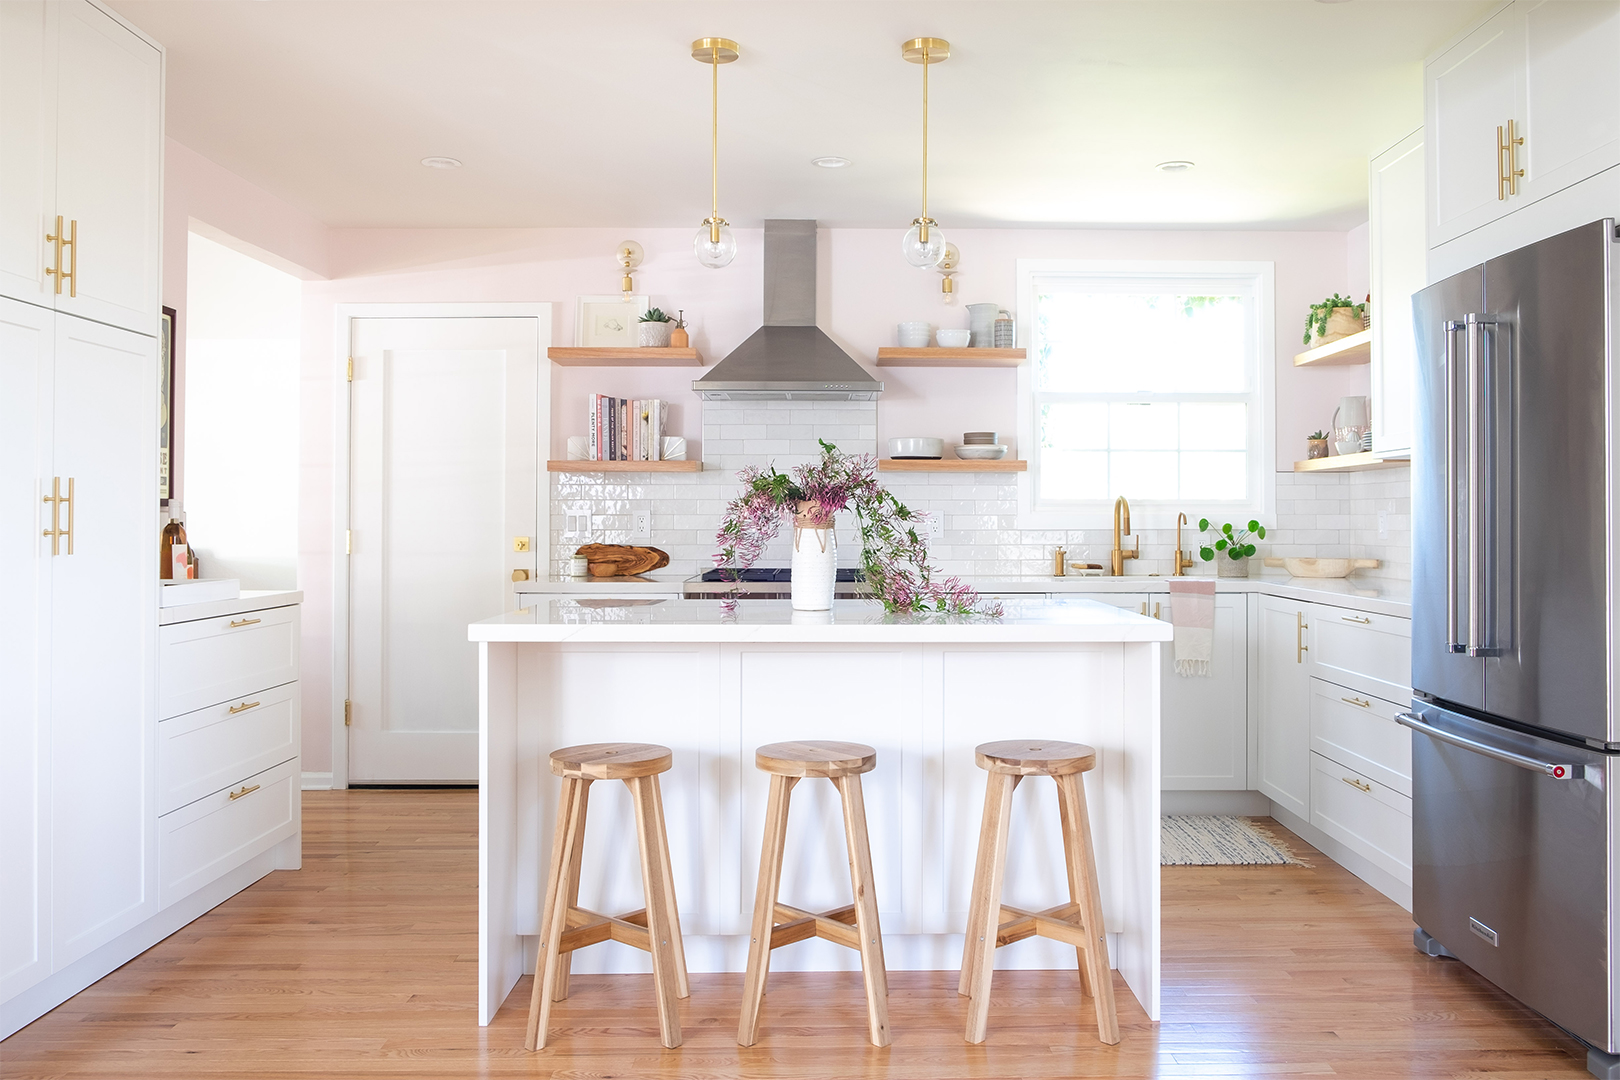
(165, 402)
(608, 321)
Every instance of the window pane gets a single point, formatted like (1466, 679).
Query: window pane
(1139, 474)
(1074, 476)
(1115, 342)
(1207, 475)
(1220, 426)
(1075, 426)
(1135, 425)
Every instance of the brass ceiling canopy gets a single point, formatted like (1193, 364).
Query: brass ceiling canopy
(926, 50)
(924, 246)
(714, 245)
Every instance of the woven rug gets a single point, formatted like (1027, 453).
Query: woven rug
(1219, 840)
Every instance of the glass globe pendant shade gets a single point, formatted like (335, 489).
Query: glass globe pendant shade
(923, 254)
(711, 252)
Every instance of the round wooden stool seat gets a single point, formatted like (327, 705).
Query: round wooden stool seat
(611, 760)
(811, 758)
(1035, 757)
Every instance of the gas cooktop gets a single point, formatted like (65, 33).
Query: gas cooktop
(774, 574)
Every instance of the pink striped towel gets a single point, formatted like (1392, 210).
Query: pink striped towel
(1192, 613)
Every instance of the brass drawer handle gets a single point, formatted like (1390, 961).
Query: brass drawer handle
(242, 622)
(244, 707)
(1359, 785)
(1358, 702)
(1363, 620)
(1300, 648)
(246, 790)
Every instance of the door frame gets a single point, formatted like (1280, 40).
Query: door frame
(344, 317)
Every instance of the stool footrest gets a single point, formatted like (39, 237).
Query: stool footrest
(837, 925)
(1052, 923)
(589, 927)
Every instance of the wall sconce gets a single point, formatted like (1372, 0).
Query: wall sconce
(629, 256)
(947, 267)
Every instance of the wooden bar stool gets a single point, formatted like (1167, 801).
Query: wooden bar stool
(564, 926)
(1079, 922)
(855, 926)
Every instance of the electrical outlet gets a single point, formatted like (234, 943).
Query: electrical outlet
(936, 526)
(1383, 524)
(641, 525)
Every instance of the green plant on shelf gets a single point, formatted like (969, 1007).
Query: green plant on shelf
(655, 315)
(1316, 322)
(1229, 539)
(1317, 436)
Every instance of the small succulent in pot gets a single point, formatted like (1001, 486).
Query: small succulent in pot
(1316, 445)
(656, 328)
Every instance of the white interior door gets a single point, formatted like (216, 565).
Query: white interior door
(444, 482)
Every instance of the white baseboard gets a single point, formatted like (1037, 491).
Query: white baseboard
(1242, 803)
(317, 781)
(1376, 876)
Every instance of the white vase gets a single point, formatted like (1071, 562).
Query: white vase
(1226, 566)
(815, 568)
(655, 335)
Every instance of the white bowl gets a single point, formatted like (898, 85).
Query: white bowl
(915, 335)
(953, 339)
(981, 453)
(933, 449)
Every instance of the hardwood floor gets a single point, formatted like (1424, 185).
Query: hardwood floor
(363, 964)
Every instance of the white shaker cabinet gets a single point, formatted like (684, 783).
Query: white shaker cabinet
(81, 138)
(1398, 258)
(1205, 718)
(1283, 703)
(1471, 89)
(1571, 93)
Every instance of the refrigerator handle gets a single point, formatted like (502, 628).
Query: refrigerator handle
(1476, 392)
(1453, 643)
(1554, 769)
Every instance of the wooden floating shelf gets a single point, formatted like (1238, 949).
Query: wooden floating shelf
(1350, 463)
(990, 358)
(623, 466)
(949, 465)
(569, 357)
(1355, 349)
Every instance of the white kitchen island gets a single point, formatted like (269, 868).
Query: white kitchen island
(714, 685)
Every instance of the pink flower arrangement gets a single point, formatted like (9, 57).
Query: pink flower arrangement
(894, 554)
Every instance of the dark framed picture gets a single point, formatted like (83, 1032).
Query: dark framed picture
(165, 402)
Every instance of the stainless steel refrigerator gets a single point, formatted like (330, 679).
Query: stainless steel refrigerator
(1515, 641)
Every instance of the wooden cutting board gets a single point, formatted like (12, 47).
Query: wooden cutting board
(621, 560)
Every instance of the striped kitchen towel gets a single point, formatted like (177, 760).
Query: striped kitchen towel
(1192, 612)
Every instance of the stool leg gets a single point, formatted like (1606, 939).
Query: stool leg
(770, 879)
(565, 961)
(989, 904)
(1077, 882)
(660, 934)
(1083, 865)
(683, 988)
(866, 909)
(976, 900)
(553, 918)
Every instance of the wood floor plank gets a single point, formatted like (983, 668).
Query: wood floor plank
(364, 964)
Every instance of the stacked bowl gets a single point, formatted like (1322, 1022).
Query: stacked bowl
(981, 446)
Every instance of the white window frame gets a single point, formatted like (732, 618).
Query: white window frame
(1260, 277)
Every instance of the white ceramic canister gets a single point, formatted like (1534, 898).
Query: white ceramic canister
(815, 568)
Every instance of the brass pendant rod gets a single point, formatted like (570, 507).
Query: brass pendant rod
(925, 145)
(714, 143)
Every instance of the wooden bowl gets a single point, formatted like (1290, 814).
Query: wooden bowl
(1323, 568)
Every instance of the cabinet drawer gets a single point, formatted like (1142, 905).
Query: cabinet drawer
(1359, 731)
(203, 751)
(1364, 815)
(1371, 653)
(212, 660)
(212, 836)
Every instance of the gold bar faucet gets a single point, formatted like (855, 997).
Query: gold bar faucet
(1183, 561)
(1119, 554)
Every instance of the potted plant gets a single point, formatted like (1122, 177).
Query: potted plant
(1316, 445)
(894, 553)
(655, 329)
(1332, 319)
(678, 338)
(1231, 546)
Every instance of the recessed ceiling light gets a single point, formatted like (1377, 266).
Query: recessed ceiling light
(830, 162)
(1173, 166)
(441, 162)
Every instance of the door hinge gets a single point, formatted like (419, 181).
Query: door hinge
(351, 369)
(348, 713)
(348, 542)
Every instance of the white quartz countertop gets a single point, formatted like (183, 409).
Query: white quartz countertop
(250, 600)
(648, 620)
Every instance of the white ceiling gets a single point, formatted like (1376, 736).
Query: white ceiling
(593, 113)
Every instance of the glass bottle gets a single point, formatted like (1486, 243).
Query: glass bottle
(173, 533)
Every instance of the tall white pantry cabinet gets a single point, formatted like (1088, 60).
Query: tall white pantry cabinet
(81, 142)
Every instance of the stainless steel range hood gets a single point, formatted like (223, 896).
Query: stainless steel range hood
(789, 357)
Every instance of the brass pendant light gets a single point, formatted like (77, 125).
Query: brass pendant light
(714, 245)
(924, 245)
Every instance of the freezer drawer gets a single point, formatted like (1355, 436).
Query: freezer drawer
(1510, 864)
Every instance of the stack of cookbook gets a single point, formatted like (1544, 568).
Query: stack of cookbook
(625, 429)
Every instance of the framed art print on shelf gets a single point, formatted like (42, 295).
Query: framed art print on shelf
(165, 403)
(608, 321)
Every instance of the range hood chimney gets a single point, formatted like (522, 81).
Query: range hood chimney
(788, 357)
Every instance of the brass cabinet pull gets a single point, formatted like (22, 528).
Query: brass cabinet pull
(246, 790)
(56, 532)
(1507, 160)
(1156, 611)
(1356, 619)
(1359, 785)
(1300, 648)
(1358, 702)
(69, 531)
(69, 240)
(244, 707)
(242, 622)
